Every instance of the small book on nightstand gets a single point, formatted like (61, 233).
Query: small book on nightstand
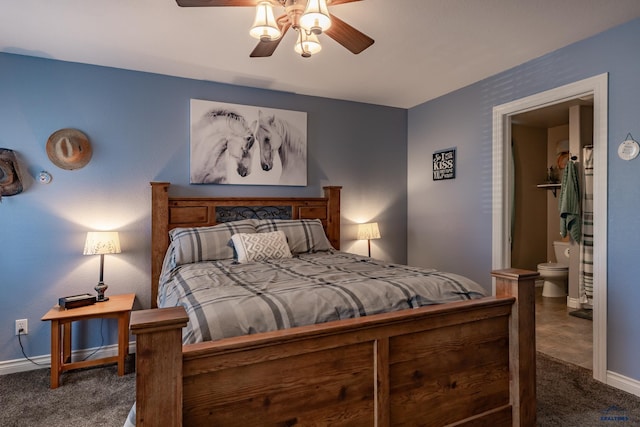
(75, 301)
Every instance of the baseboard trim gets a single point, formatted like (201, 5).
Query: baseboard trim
(44, 361)
(623, 383)
(573, 302)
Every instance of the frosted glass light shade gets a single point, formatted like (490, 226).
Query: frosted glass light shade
(102, 242)
(264, 26)
(307, 44)
(316, 18)
(368, 231)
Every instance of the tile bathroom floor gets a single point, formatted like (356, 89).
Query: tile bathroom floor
(560, 335)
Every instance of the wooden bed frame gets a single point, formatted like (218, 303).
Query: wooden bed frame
(467, 363)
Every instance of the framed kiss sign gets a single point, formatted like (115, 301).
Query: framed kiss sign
(444, 164)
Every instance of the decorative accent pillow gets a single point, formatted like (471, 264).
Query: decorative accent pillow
(260, 246)
(303, 235)
(195, 244)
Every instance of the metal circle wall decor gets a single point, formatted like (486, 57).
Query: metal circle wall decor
(69, 149)
(629, 148)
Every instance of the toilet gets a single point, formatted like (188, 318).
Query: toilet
(556, 274)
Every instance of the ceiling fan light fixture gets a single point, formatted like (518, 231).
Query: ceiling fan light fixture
(307, 44)
(316, 18)
(264, 26)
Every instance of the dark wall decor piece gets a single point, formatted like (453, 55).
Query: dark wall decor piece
(444, 164)
(10, 181)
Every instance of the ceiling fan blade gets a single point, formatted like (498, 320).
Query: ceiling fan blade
(250, 3)
(335, 2)
(213, 3)
(347, 36)
(264, 49)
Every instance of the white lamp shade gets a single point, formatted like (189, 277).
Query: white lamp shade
(368, 231)
(102, 242)
(264, 26)
(316, 17)
(307, 44)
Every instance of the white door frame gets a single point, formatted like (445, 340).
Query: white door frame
(501, 245)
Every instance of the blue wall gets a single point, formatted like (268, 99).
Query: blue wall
(138, 124)
(450, 221)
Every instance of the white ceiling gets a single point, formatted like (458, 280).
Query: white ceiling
(423, 48)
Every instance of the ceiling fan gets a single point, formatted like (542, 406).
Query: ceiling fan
(309, 18)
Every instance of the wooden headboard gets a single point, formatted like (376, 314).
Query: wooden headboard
(171, 212)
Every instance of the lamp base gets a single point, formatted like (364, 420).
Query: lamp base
(100, 289)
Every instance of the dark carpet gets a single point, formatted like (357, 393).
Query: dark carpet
(567, 397)
(91, 397)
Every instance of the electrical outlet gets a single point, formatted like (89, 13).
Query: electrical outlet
(22, 327)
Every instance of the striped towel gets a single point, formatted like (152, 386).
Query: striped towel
(569, 203)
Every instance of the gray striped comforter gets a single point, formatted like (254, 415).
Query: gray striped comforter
(225, 299)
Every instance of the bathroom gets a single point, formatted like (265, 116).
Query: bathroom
(543, 141)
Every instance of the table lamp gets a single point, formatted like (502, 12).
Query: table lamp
(101, 243)
(368, 232)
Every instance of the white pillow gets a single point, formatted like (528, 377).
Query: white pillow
(260, 246)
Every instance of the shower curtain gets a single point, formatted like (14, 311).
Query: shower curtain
(586, 245)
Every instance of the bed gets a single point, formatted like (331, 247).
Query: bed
(466, 362)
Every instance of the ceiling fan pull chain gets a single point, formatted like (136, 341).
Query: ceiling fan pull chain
(305, 53)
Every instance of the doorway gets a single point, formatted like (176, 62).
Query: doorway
(543, 140)
(595, 87)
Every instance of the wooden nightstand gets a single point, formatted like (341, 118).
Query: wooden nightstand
(118, 306)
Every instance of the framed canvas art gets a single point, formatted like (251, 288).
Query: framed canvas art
(242, 144)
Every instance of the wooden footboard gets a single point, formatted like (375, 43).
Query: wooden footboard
(465, 363)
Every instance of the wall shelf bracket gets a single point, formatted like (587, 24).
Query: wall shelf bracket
(553, 187)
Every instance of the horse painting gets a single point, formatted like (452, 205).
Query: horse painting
(277, 136)
(220, 140)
